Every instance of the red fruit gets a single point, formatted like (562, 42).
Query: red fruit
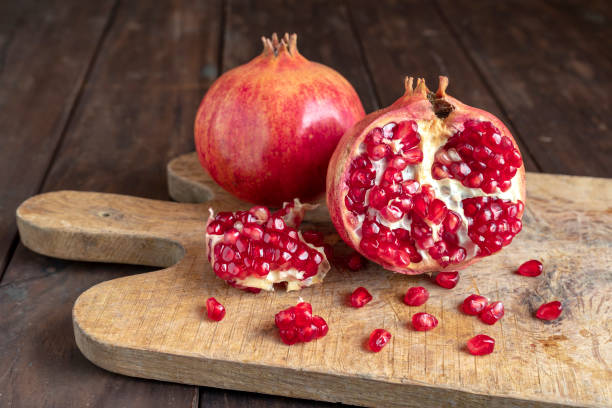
(214, 309)
(378, 339)
(265, 131)
(530, 268)
(480, 345)
(424, 321)
(297, 324)
(416, 296)
(360, 297)
(355, 261)
(492, 313)
(474, 304)
(549, 311)
(248, 249)
(447, 280)
(397, 213)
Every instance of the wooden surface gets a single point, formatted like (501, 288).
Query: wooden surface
(152, 325)
(100, 96)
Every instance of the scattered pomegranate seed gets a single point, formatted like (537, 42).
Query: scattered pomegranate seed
(355, 261)
(447, 280)
(360, 297)
(550, 311)
(416, 296)
(378, 339)
(214, 309)
(474, 304)
(492, 313)
(530, 268)
(481, 345)
(424, 321)
(297, 324)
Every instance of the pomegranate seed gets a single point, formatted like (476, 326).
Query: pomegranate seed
(447, 280)
(377, 152)
(549, 311)
(530, 268)
(492, 313)
(215, 228)
(424, 321)
(355, 261)
(313, 237)
(413, 156)
(474, 304)
(398, 162)
(416, 296)
(410, 187)
(378, 339)
(437, 211)
(480, 345)
(360, 297)
(214, 309)
(261, 213)
(321, 326)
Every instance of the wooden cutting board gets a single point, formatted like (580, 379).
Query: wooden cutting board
(152, 326)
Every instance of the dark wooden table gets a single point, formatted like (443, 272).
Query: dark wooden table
(100, 95)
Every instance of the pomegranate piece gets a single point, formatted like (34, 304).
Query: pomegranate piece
(416, 296)
(447, 280)
(297, 324)
(253, 250)
(530, 268)
(549, 311)
(492, 313)
(214, 309)
(480, 345)
(427, 184)
(360, 297)
(424, 321)
(378, 339)
(474, 304)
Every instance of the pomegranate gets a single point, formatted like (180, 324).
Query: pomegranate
(378, 339)
(254, 249)
(297, 324)
(265, 131)
(481, 345)
(427, 184)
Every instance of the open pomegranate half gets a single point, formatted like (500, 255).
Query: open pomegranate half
(427, 184)
(254, 249)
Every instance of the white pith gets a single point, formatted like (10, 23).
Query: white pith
(434, 134)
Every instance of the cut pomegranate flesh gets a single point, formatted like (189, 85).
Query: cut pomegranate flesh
(378, 339)
(360, 297)
(424, 321)
(416, 296)
(474, 304)
(530, 268)
(492, 313)
(255, 249)
(297, 324)
(549, 311)
(214, 309)
(447, 280)
(481, 345)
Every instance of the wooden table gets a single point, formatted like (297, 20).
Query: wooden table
(100, 95)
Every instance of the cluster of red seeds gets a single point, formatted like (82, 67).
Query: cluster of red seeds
(479, 157)
(297, 324)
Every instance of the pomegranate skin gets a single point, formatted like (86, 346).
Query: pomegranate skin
(415, 105)
(265, 131)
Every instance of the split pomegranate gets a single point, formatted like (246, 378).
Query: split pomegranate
(424, 321)
(530, 268)
(378, 339)
(214, 309)
(427, 184)
(474, 304)
(492, 313)
(297, 324)
(255, 249)
(481, 345)
(549, 311)
(265, 131)
(360, 297)
(447, 280)
(416, 296)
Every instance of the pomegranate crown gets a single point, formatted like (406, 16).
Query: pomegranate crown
(421, 87)
(274, 46)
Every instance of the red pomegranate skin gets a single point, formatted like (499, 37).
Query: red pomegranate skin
(265, 131)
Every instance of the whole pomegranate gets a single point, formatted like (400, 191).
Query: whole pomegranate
(427, 184)
(265, 131)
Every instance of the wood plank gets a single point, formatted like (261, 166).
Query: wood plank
(42, 68)
(553, 84)
(409, 38)
(136, 110)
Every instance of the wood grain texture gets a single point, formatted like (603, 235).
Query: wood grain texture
(151, 325)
